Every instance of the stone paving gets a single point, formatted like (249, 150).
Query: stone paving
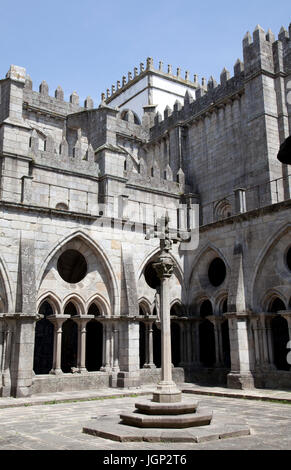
(59, 426)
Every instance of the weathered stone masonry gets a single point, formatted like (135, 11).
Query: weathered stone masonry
(79, 303)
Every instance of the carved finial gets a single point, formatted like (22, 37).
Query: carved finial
(203, 82)
(259, 34)
(135, 71)
(102, 97)
(150, 63)
(187, 74)
(158, 118)
(59, 94)
(88, 103)
(43, 88)
(108, 93)
(112, 89)
(211, 82)
(283, 34)
(170, 69)
(167, 112)
(74, 98)
(141, 67)
(123, 80)
(247, 40)
(178, 72)
(224, 76)
(118, 85)
(28, 83)
(161, 66)
(238, 67)
(177, 106)
(196, 78)
(129, 75)
(270, 36)
(188, 98)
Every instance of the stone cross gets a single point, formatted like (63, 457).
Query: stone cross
(167, 391)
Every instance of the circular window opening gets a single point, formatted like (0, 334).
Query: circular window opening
(288, 258)
(151, 277)
(72, 266)
(216, 272)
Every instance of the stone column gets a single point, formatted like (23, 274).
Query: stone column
(287, 315)
(57, 321)
(107, 334)
(8, 331)
(149, 364)
(115, 347)
(82, 321)
(267, 341)
(166, 389)
(196, 323)
(256, 329)
(240, 376)
(216, 321)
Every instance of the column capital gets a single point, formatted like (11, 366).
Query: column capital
(82, 319)
(58, 320)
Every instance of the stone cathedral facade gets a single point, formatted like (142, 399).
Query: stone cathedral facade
(80, 185)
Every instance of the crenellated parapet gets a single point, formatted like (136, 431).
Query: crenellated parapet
(262, 52)
(42, 100)
(143, 70)
(209, 98)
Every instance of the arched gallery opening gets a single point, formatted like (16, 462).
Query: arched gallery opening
(280, 335)
(225, 337)
(175, 343)
(69, 340)
(44, 341)
(206, 336)
(94, 340)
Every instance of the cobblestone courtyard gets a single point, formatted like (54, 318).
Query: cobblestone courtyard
(59, 426)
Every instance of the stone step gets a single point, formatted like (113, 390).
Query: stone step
(153, 408)
(200, 418)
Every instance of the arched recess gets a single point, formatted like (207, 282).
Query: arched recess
(44, 339)
(145, 306)
(198, 280)
(6, 294)
(102, 304)
(271, 271)
(77, 301)
(206, 335)
(53, 300)
(69, 339)
(280, 334)
(94, 338)
(81, 241)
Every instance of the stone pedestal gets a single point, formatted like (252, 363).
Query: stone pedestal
(240, 376)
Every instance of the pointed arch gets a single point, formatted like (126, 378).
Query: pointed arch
(8, 300)
(144, 303)
(100, 253)
(202, 252)
(53, 300)
(77, 301)
(100, 302)
(271, 242)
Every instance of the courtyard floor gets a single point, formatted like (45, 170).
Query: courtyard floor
(52, 423)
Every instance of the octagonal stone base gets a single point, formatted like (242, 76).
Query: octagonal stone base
(153, 408)
(200, 418)
(110, 427)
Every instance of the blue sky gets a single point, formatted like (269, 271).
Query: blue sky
(88, 45)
